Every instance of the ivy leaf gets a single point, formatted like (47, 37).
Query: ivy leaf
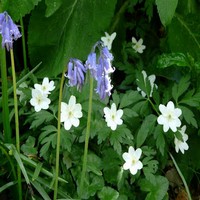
(167, 60)
(146, 127)
(183, 35)
(67, 32)
(181, 87)
(156, 189)
(108, 193)
(52, 6)
(166, 10)
(19, 8)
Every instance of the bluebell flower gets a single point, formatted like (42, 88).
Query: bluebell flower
(75, 73)
(8, 30)
(92, 65)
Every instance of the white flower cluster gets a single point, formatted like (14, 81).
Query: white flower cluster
(40, 94)
(169, 118)
(151, 79)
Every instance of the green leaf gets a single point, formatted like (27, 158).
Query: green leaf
(156, 189)
(170, 59)
(46, 131)
(28, 148)
(166, 10)
(129, 98)
(94, 164)
(19, 8)
(181, 87)
(191, 99)
(189, 116)
(160, 140)
(70, 32)
(183, 35)
(108, 193)
(145, 129)
(40, 118)
(52, 6)
(37, 171)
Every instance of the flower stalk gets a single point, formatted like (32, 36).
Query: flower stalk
(87, 136)
(16, 120)
(58, 135)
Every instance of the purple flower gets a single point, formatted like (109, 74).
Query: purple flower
(91, 64)
(75, 73)
(8, 30)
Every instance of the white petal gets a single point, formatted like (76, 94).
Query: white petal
(134, 41)
(75, 122)
(67, 125)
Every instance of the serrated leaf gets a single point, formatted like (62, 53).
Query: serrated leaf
(40, 118)
(129, 98)
(46, 131)
(191, 99)
(108, 193)
(181, 87)
(166, 10)
(167, 60)
(145, 128)
(183, 35)
(94, 164)
(70, 32)
(189, 116)
(156, 189)
(52, 6)
(160, 140)
(19, 8)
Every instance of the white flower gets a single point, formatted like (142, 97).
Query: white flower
(39, 100)
(151, 79)
(113, 116)
(169, 117)
(181, 145)
(137, 45)
(19, 92)
(46, 86)
(132, 161)
(70, 113)
(108, 39)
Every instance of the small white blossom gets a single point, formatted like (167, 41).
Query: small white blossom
(181, 145)
(138, 45)
(46, 86)
(169, 117)
(151, 79)
(113, 116)
(39, 100)
(132, 161)
(70, 113)
(19, 92)
(108, 39)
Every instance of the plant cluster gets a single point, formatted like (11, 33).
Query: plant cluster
(104, 102)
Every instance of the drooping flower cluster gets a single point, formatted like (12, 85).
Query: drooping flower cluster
(113, 116)
(138, 45)
(132, 160)
(151, 79)
(70, 113)
(8, 30)
(100, 67)
(40, 94)
(169, 118)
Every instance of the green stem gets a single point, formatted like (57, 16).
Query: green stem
(87, 136)
(58, 135)
(23, 43)
(5, 107)
(182, 177)
(16, 120)
(153, 106)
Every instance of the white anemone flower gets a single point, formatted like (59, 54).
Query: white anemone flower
(46, 86)
(132, 161)
(151, 79)
(70, 113)
(108, 40)
(138, 45)
(113, 116)
(169, 117)
(181, 145)
(39, 100)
